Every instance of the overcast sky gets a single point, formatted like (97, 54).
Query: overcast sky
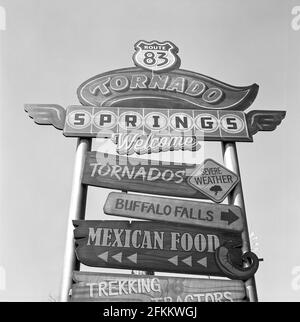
(50, 47)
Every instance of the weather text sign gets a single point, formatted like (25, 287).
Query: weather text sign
(213, 180)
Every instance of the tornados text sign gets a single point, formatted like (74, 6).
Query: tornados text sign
(139, 175)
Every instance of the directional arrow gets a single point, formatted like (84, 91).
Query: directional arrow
(174, 260)
(133, 258)
(203, 261)
(188, 261)
(118, 257)
(104, 256)
(229, 216)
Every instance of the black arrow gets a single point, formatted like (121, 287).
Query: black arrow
(229, 216)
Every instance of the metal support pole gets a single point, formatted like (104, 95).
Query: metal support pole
(236, 198)
(76, 212)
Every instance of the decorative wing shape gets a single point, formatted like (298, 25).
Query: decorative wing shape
(264, 120)
(225, 260)
(47, 114)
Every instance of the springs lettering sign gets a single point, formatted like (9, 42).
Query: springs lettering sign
(158, 76)
(141, 130)
(105, 122)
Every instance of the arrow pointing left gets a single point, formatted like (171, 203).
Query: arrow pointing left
(104, 256)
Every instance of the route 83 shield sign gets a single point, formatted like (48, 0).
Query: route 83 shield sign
(156, 56)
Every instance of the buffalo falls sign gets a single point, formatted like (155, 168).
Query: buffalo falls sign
(152, 246)
(184, 211)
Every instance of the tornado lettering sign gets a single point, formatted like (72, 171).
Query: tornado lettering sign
(95, 287)
(152, 246)
(139, 175)
(158, 77)
(195, 213)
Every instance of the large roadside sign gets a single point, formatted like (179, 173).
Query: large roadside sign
(213, 179)
(153, 107)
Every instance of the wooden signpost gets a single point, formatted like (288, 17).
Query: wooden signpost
(154, 107)
(102, 287)
(194, 213)
(152, 246)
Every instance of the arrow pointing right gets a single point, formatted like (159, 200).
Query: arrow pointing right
(229, 216)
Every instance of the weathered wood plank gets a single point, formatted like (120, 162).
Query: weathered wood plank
(101, 287)
(195, 213)
(152, 246)
(139, 175)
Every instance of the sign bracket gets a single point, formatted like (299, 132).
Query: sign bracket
(76, 212)
(236, 198)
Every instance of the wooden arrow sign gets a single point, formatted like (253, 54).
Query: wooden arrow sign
(96, 287)
(139, 175)
(152, 246)
(202, 214)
